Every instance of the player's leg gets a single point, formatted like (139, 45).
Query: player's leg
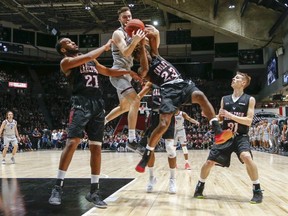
(208, 110)
(152, 179)
(157, 133)
(15, 148)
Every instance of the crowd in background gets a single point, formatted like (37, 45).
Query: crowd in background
(44, 127)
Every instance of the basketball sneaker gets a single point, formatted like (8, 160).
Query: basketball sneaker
(135, 147)
(3, 161)
(223, 137)
(187, 166)
(172, 186)
(13, 160)
(199, 190)
(56, 195)
(152, 181)
(96, 199)
(143, 162)
(257, 196)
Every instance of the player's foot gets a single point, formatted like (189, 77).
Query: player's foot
(56, 195)
(143, 162)
(135, 147)
(96, 199)
(187, 166)
(151, 183)
(223, 137)
(172, 186)
(13, 160)
(257, 196)
(3, 161)
(199, 190)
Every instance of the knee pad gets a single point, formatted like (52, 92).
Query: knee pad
(184, 149)
(170, 149)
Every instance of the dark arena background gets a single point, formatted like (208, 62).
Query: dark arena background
(207, 41)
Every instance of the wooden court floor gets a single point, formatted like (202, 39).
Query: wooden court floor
(227, 190)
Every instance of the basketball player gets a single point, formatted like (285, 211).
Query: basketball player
(122, 49)
(237, 112)
(10, 135)
(174, 90)
(87, 112)
(180, 133)
(168, 137)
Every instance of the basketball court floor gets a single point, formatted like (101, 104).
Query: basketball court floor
(26, 186)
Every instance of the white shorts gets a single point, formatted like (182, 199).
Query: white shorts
(122, 83)
(8, 140)
(181, 136)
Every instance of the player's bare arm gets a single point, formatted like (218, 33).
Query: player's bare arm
(119, 40)
(68, 63)
(115, 72)
(188, 118)
(246, 120)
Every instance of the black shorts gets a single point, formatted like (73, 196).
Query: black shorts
(176, 94)
(154, 121)
(86, 114)
(222, 153)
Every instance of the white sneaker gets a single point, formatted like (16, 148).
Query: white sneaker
(3, 161)
(151, 183)
(172, 186)
(13, 160)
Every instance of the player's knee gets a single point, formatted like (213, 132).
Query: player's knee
(210, 163)
(198, 96)
(170, 149)
(124, 106)
(246, 157)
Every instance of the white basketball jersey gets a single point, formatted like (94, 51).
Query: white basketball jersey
(9, 128)
(179, 121)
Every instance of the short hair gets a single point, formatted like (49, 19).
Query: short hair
(246, 77)
(8, 113)
(123, 9)
(58, 46)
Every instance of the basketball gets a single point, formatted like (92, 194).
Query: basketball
(134, 25)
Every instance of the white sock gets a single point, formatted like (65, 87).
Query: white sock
(173, 173)
(131, 135)
(186, 161)
(94, 179)
(256, 182)
(213, 119)
(202, 180)
(150, 148)
(105, 121)
(61, 174)
(151, 171)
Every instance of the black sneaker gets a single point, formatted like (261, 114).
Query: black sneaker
(56, 195)
(96, 199)
(135, 147)
(257, 196)
(144, 161)
(199, 190)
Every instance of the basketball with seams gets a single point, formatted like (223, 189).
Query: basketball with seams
(134, 25)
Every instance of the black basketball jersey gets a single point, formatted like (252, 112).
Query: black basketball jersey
(156, 97)
(161, 71)
(84, 80)
(239, 108)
